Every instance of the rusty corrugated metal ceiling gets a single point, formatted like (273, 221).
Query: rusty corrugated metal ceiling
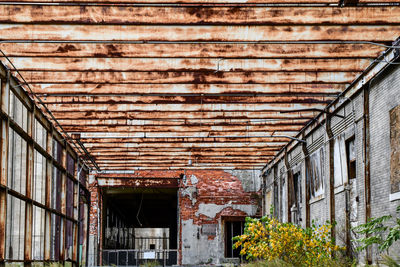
(156, 83)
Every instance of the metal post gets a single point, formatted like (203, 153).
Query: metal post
(5, 87)
(29, 178)
(367, 178)
(331, 175)
(289, 187)
(307, 186)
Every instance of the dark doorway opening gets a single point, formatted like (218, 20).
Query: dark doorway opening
(139, 224)
(233, 228)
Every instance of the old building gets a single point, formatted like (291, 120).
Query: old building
(137, 130)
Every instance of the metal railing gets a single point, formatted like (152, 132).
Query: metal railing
(135, 257)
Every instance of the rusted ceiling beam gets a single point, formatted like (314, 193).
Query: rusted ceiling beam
(271, 144)
(176, 89)
(177, 134)
(225, 165)
(134, 123)
(186, 64)
(195, 3)
(182, 140)
(192, 115)
(182, 162)
(87, 107)
(213, 153)
(181, 157)
(181, 50)
(139, 15)
(203, 128)
(193, 149)
(377, 33)
(127, 100)
(94, 77)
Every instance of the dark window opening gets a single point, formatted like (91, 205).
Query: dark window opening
(351, 158)
(232, 229)
(140, 218)
(296, 208)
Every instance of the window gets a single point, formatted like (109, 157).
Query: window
(296, 209)
(39, 178)
(38, 233)
(17, 157)
(15, 228)
(351, 158)
(340, 162)
(56, 189)
(315, 173)
(40, 134)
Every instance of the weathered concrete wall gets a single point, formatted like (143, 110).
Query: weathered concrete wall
(205, 198)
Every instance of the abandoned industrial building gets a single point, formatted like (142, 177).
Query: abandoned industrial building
(146, 131)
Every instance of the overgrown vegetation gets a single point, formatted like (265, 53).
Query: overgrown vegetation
(383, 231)
(379, 231)
(286, 243)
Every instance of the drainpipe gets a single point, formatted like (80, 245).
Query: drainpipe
(307, 187)
(367, 174)
(331, 175)
(289, 185)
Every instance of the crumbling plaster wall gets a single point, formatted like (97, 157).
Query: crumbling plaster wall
(206, 197)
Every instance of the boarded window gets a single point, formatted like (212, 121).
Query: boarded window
(315, 173)
(340, 162)
(395, 150)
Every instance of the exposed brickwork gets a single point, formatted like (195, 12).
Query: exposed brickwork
(94, 206)
(216, 187)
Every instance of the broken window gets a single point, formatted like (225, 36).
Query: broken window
(340, 161)
(315, 173)
(395, 151)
